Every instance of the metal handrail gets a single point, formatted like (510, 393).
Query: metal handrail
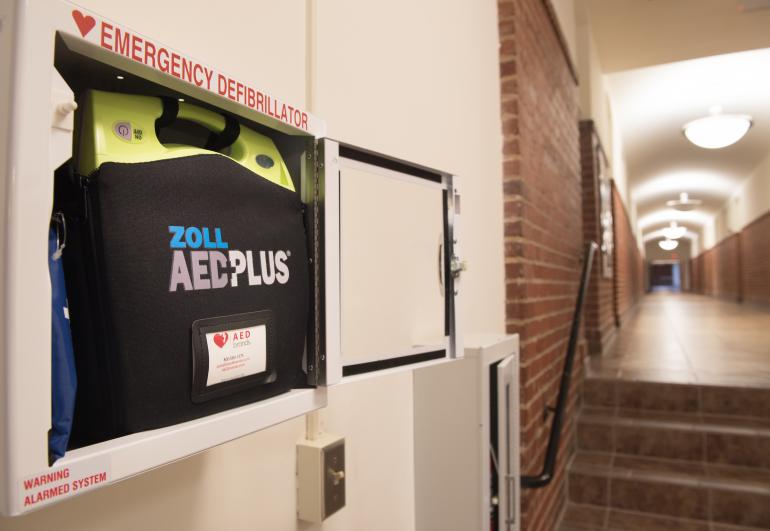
(545, 477)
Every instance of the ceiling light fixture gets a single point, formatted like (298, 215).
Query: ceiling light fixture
(668, 245)
(684, 203)
(717, 130)
(674, 231)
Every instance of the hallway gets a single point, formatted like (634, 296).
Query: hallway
(685, 338)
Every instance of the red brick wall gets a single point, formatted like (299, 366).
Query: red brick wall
(543, 233)
(755, 261)
(696, 275)
(728, 268)
(597, 314)
(629, 263)
(704, 278)
(738, 268)
(717, 271)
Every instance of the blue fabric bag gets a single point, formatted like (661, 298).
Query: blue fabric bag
(63, 376)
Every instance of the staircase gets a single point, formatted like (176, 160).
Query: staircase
(670, 457)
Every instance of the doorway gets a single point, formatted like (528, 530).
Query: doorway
(665, 276)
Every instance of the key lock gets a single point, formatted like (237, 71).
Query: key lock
(456, 266)
(335, 475)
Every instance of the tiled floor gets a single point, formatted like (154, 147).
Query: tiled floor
(683, 338)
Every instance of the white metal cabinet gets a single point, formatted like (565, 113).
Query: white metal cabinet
(391, 260)
(467, 442)
(55, 49)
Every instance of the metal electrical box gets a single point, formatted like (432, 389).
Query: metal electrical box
(382, 239)
(320, 477)
(467, 443)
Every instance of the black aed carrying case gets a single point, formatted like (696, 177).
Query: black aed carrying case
(187, 270)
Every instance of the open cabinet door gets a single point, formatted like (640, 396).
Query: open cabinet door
(507, 458)
(390, 262)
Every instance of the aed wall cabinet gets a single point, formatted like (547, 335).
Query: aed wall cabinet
(383, 261)
(467, 444)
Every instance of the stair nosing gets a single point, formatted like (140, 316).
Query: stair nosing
(707, 385)
(617, 418)
(701, 480)
(607, 508)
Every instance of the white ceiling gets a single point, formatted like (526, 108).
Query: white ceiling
(651, 105)
(637, 33)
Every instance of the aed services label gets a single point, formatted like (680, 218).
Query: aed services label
(61, 482)
(236, 353)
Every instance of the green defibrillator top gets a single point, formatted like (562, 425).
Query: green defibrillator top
(121, 128)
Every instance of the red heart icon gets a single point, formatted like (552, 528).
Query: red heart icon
(85, 22)
(220, 339)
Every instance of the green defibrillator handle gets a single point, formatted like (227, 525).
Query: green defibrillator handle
(118, 127)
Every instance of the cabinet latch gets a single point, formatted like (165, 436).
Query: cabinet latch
(457, 266)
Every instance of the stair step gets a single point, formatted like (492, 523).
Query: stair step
(684, 436)
(656, 488)
(579, 517)
(674, 397)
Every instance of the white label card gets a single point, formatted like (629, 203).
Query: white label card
(236, 353)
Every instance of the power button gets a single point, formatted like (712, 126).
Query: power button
(122, 130)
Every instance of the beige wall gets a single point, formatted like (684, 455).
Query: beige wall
(566, 14)
(749, 202)
(596, 104)
(418, 80)
(595, 100)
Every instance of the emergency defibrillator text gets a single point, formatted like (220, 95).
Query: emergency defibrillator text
(145, 51)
